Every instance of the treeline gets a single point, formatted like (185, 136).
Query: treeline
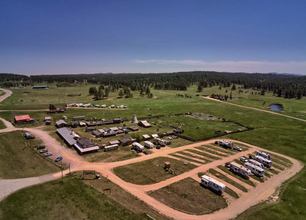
(288, 86)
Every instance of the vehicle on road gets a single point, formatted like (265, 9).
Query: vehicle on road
(58, 159)
(48, 154)
(146, 152)
(43, 151)
(251, 157)
(41, 147)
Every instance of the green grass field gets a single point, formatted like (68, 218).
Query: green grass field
(188, 196)
(71, 200)
(2, 125)
(151, 171)
(19, 161)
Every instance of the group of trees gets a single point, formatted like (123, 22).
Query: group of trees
(99, 93)
(283, 85)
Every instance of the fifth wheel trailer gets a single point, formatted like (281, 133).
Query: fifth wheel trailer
(263, 154)
(213, 184)
(264, 161)
(239, 169)
(258, 171)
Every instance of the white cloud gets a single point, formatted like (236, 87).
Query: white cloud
(230, 66)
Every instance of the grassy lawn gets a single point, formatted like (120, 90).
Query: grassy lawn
(151, 171)
(188, 196)
(187, 159)
(249, 182)
(213, 151)
(187, 153)
(228, 180)
(19, 161)
(2, 125)
(203, 149)
(122, 197)
(69, 200)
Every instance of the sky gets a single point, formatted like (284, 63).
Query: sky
(151, 36)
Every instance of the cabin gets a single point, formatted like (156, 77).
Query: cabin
(23, 119)
(145, 137)
(125, 141)
(96, 133)
(144, 124)
(60, 123)
(212, 184)
(89, 129)
(41, 87)
(134, 128)
(114, 142)
(78, 118)
(84, 145)
(118, 120)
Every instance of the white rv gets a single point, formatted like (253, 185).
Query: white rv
(258, 171)
(239, 169)
(264, 161)
(263, 154)
(111, 147)
(255, 162)
(213, 184)
(148, 144)
(226, 144)
(138, 147)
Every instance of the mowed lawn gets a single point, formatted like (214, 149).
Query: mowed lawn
(151, 171)
(18, 161)
(188, 196)
(70, 200)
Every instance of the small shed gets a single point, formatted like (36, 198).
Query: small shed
(60, 124)
(96, 133)
(167, 165)
(114, 142)
(47, 119)
(134, 128)
(144, 124)
(117, 120)
(146, 137)
(126, 141)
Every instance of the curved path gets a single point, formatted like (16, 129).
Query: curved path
(257, 109)
(7, 94)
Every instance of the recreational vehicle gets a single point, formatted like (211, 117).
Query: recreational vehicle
(263, 154)
(258, 171)
(239, 169)
(226, 144)
(255, 162)
(213, 184)
(148, 144)
(137, 147)
(264, 161)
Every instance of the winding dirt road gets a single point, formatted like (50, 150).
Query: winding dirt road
(255, 195)
(7, 94)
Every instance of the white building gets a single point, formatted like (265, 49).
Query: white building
(213, 184)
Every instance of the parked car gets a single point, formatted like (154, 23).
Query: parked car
(146, 152)
(48, 154)
(243, 159)
(58, 159)
(216, 142)
(43, 151)
(237, 148)
(227, 165)
(251, 157)
(41, 147)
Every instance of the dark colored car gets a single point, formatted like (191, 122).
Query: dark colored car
(251, 157)
(41, 147)
(58, 159)
(43, 151)
(146, 152)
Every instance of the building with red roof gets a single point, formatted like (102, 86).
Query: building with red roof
(22, 119)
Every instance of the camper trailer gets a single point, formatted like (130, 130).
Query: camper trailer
(226, 144)
(239, 169)
(255, 162)
(158, 141)
(263, 154)
(212, 184)
(148, 144)
(258, 171)
(137, 147)
(111, 147)
(264, 161)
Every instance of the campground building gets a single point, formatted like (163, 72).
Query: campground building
(23, 119)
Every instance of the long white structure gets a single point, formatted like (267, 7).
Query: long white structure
(263, 154)
(264, 161)
(111, 147)
(213, 184)
(148, 144)
(138, 147)
(226, 144)
(258, 171)
(255, 162)
(239, 169)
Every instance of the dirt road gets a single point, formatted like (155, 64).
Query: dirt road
(257, 109)
(7, 94)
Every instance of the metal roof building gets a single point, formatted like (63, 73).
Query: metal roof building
(67, 135)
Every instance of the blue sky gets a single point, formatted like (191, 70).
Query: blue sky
(78, 36)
